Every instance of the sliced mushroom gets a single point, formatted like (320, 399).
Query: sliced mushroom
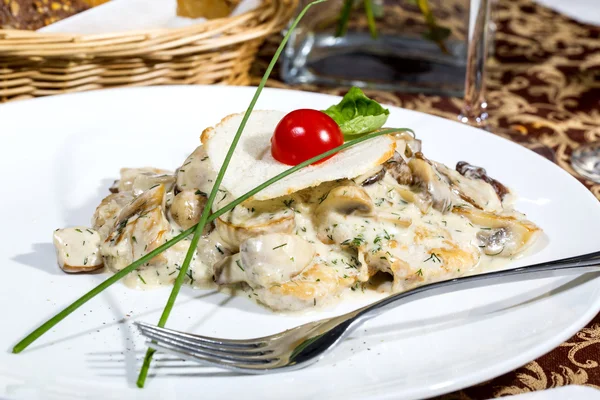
(128, 176)
(429, 181)
(147, 201)
(474, 172)
(211, 249)
(422, 199)
(397, 168)
(196, 172)
(373, 178)
(413, 145)
(108, 210)
(140, 227)
(501, 235)
(266, 260)
(252, 219)
(186, 209)
(136, 237)
(145, 181)
(341, 202)
(78, 249)
(476, 192)
(345, 200)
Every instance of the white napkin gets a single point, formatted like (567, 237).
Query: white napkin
(132, 15)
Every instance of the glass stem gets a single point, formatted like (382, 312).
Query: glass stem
(474, 108)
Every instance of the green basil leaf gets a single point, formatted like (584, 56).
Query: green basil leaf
(357, 114)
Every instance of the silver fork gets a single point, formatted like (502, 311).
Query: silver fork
(304, 345)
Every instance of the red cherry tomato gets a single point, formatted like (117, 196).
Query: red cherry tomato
(303, 134)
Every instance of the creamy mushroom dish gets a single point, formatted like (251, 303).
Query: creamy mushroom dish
(406, 221)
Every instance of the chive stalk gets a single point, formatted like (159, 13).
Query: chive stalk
(213, 194)
(371, 18)
(342, 26)
(46, 326)
(197, 229)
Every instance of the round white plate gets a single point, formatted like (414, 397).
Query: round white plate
(59, 156)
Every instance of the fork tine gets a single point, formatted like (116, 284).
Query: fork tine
(211, 342)
(225, 353)
(197, 351)
(211, 361)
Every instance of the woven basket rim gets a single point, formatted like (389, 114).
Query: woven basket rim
(147, 32)
(158, 43)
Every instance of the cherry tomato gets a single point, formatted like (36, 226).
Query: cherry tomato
(303, 134)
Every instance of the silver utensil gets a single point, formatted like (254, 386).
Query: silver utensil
(304, 345)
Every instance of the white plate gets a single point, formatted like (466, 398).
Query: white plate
(60, 154)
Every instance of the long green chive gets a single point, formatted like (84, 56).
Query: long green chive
(213, 194)
(342, 26)
(371, 18)
(46, 326)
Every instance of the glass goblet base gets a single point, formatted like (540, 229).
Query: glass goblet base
(586, 161)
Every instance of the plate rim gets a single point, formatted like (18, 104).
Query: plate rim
(482, 374)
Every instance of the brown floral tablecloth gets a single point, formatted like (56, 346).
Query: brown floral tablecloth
(543, 88)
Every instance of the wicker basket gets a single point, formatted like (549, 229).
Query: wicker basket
(219, 51)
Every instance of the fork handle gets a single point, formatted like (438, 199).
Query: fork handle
(574, 265)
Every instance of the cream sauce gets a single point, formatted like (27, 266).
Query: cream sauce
(306, 249)
(78, 249)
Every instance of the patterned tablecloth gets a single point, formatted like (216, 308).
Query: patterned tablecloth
(543, 86)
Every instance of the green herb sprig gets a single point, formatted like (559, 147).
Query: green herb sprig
(52, 322)
(213, 194)
(198, 228)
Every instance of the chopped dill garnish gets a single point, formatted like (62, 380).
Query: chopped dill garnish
(281, 245)
(356, 242)
(141, 279)
(239, 265)
(322, 198)
(288, 203)
(433, 257)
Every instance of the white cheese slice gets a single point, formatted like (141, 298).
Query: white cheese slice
(252, 163)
